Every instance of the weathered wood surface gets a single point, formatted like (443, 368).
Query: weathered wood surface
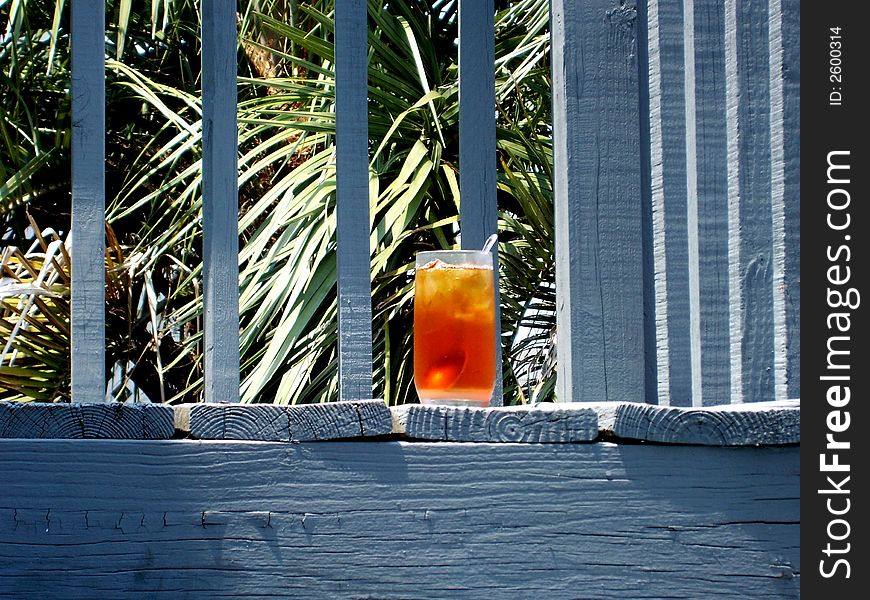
(353, 226)
(711, 236)
(532, 424)
(220, 202)
(478, 209)
(763, 423)
(186, 519)
(785, 42)
(297, 423)
(724, 137)
(598, 207)
(668, 187)
(110, 420)
(766, 423)
(88, 149)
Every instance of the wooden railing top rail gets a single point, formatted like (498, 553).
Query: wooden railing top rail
(764, 423)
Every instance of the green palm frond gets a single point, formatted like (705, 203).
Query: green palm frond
(34, 320)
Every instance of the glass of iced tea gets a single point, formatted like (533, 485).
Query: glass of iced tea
(454, 327)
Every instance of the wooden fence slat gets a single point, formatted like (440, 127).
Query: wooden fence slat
(477, 176)
(712, 200)
(87, 320)
(477, 148)
(755, 237)
(692, 242)
(777, 199)
(668, 186)
(732, 102)
(787, 66)
(352, 201)
(220, 203)
(598, 207)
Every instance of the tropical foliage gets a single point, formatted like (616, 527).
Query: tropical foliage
(286, 190)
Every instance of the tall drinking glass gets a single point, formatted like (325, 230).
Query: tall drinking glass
(454, 327)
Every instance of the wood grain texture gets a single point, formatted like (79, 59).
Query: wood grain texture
(88, 271)
(668, 182)
(296, 423)
(352, 202)
(108, 421)
(256, 520)
(692, 289)
(791, 75)
(478, 209)
(599, 242)
(735, 287)
(723, 135)
(549, 423)
(220, 202)
(763, 423)
(777, 199)
(712, 188)
(753, 142)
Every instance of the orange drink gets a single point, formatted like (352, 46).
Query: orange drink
(454, 327)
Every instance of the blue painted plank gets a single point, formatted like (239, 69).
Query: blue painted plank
(791, 74)
(391, 520)
(477, 177)
(220, 202)
(735, 299)
(654, 298)
(669, 200)
(777, 199)
(477, 151)
(712, 197)
(87, 321)
(599, 226)
(692, 246)
(753, 122)
(352, 200)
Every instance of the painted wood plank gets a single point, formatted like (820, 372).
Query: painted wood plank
(725, 279)
(693, 283)
(735, 287)
(541, 423)
(105, 420)
(599, 241)
(669, 213)
(88, 270)
(220, 202)
(656, 357)
(776, 135)
(790, 71)
(756, 277)
(339, 420)
(762, 423)
(295, 423)
(268, 422)
(710, 147)
(477, 175)
(352, 190)
(478, 215)
(397, 520)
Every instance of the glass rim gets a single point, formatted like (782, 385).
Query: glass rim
(472, 258)
(454, 252)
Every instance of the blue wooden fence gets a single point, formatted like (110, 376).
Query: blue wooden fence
(676, 139)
